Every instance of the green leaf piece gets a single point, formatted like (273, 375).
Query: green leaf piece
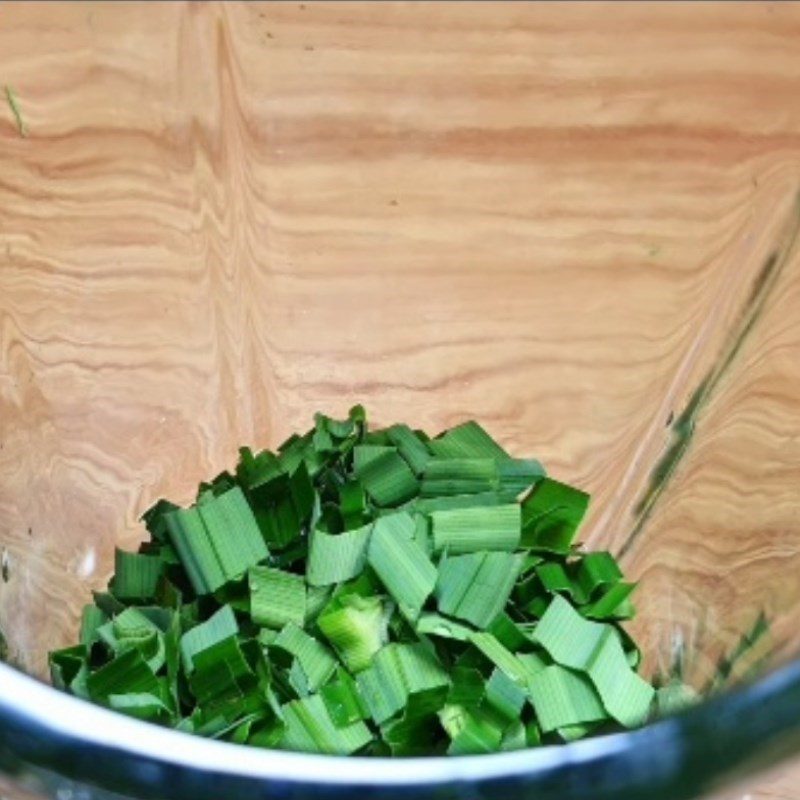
(427, 505)
(468, 530)
(337, 558)
(386, 476)
(430, 624)
(468, 440)
(218, 541)
(397, 671)
(517, 476)
(503, 659)
(356, 626)
(562, 697)
(221, 625)
(401, 565)
(128, 673)
(317, 662)
(224, 683)
(276, 597)
(144, 706)
(554, 579)
(505, 696)
(551, 515)
(343, 701)
(92, 618)
(597, 571)
(459, 476)
(410, 446)
(136, 576)
(595, 649)
(476, 587)
(310, 729)
(472, 730)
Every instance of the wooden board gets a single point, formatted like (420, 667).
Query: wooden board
(562, 220)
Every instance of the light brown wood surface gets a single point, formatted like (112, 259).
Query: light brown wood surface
(557, 219)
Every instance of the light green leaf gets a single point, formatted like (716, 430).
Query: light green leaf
(468, 530)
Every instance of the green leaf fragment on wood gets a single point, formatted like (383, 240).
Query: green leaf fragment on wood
(13, 104)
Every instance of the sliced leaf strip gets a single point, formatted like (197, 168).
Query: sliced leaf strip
(401, 564)
(337, 558)
(476, 587)
(468, 530)
(276, 597)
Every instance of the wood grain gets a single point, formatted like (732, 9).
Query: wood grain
(557, 219)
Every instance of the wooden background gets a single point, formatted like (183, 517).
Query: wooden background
(567, 221)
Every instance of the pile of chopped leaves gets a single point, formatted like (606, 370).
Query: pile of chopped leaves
(374, 592)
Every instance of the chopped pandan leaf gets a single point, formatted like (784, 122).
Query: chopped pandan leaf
(422, 533)
(427, 505)
(468, 530)
(263, 471)
(343, 701)
(221, 625)
(279, 522)
(397, 671)
(92, 618)
(517, 476)
(468, 440)
(385, 476)
(571, 733)
(476, 587)
(410, 446)
(597, 571)
(555, 580)
(551, 515)
(468, 687)
(472, 731)
(509, 634)
(533, 662)
(223, 682)
(401, 565)
(65, 664)
(310, 729)
(141, 705)
(133, 630)
(127, 673)
(562, 697)
(316, 661)
(276, 597)
(155, 519)
(353, 505)
(459, 476)
(430, 624)
(415, 732)
(336, 558)
(135, 576)
(356, 626)
(514, 737)
(217, 542)
(317, 597)
(266, 614)
(505, 696)
(503, 659)
(613, 604)
(595, 648)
